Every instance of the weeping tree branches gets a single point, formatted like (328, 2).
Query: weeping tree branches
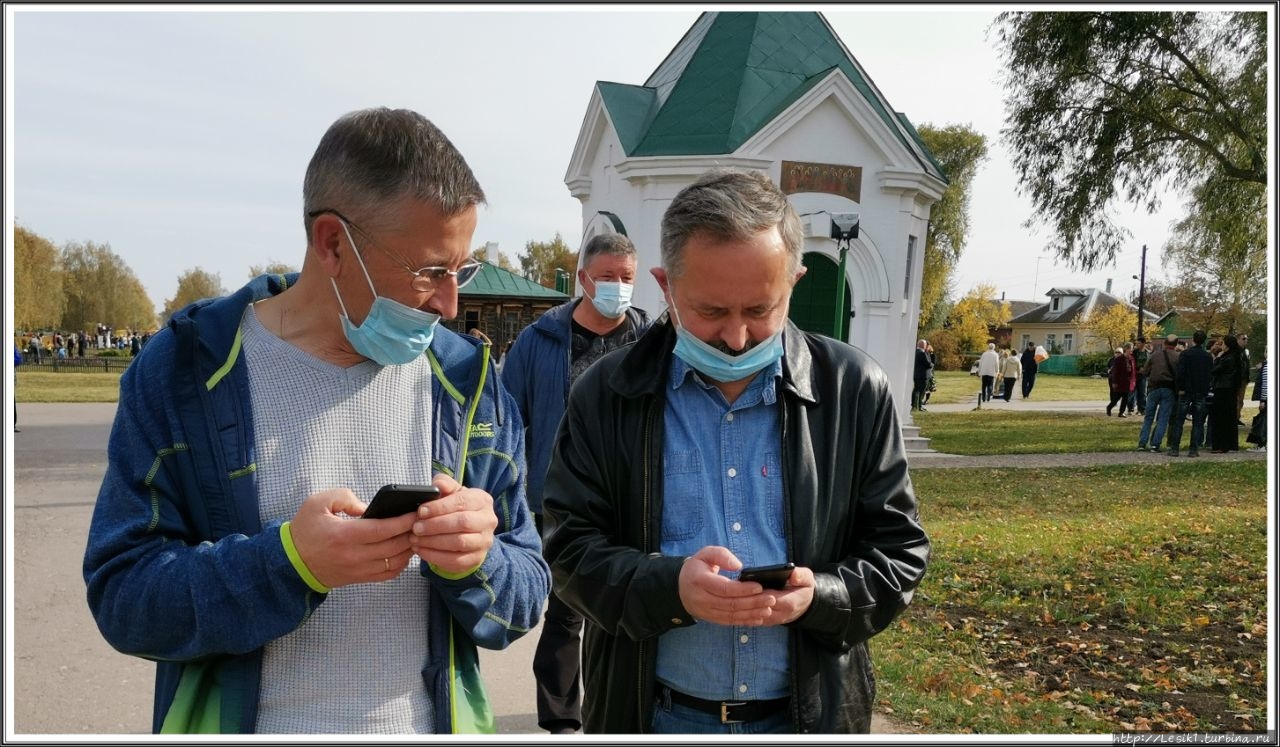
(1105, 107)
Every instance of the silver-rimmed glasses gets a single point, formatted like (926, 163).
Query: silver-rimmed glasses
(425, 279)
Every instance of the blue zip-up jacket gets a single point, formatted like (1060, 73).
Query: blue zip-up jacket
(536, 372)
(181, 570)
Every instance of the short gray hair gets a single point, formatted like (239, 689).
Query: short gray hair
(730, 205)
(368, 160)
(607, 243)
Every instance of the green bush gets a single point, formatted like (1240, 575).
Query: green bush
(1094, 363)
(110, 353)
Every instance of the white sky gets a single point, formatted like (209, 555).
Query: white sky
(180, 137)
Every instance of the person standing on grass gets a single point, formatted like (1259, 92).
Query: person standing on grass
(921, 371)
(1258, 430)
(1162, 394)
(1118, 377)
(1138, 395)
(1228, 370)
(1029, 367)
(988, 370)
(1010, 367)
(1244, 386)
(1193, 377)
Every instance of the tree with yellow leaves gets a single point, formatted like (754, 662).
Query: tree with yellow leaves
(1115, 324)
(976, 316)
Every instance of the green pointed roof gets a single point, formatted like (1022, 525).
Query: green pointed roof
(730, 75)
(495, 281)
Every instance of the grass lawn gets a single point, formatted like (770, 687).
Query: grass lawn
(1043, 432)
(65, 386)
(1085, 601)
(959, 386)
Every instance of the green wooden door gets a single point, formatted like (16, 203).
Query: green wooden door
(814, 296)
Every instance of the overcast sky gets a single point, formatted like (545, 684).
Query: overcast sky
(180, 137)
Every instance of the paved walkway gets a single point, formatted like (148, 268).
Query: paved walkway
(925, 460)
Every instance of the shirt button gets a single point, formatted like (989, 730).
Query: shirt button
(729, 418)
(733, 472)
(745, 638)
(742, 688)
(737, 527)
(676, 621)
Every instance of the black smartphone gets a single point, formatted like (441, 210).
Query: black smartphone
(768, 576)
(397, 500)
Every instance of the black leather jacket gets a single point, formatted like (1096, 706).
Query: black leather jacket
(1229, 371)
(850, 516)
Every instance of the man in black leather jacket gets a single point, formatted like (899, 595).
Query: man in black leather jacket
(846, 510)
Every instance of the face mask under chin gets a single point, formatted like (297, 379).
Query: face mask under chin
(391, 334)
(719, 365)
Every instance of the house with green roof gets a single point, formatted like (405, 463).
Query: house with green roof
(776, 92)
(500, 304)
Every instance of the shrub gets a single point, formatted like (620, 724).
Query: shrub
(110, 353)
(1094, 363)
(947, 349)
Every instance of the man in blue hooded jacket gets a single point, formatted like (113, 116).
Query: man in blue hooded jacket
(547, 357)
(252, 430)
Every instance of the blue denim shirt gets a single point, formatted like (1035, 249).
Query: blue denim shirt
(723, 486)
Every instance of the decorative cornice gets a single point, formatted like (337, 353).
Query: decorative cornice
(893, 179)
(683, 168)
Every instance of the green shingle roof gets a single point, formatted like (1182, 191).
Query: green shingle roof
(495, 281)
(730, 75)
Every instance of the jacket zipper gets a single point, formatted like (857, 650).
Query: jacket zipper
(644, 535)
(792, 638)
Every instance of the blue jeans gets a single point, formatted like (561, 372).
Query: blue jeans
(674, 718)
(1198, 412)
(1159, 408)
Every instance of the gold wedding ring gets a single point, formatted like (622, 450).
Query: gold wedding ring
(386, 565)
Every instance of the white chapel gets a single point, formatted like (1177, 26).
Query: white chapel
(778, 93)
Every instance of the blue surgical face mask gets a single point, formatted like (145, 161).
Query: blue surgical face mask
(716, 364)
(391, 333)
(612, 299)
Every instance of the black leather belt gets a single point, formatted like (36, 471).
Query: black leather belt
(731, 711)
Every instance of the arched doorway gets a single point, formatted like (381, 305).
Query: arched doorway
(814, 297)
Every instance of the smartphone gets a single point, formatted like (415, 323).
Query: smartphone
(768, 576)
(397, 500)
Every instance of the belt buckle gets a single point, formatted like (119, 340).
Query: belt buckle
(725, 705)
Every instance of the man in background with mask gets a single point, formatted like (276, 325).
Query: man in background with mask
(724, 438)
(545, 360)
(252, 431)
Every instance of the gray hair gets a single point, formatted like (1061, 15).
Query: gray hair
(732, 206)
(369, 160)
(614, 244)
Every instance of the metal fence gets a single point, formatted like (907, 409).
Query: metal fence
(82, 365)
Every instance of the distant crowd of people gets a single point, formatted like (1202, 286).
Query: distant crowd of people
(40, 345)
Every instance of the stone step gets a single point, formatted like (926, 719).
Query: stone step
(916, 443)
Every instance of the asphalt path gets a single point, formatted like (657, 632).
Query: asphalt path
(66, 680)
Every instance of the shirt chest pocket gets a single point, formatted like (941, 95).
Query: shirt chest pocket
(684, 495)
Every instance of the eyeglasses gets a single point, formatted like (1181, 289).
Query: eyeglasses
(424, 279)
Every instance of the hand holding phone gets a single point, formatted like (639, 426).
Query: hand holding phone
(397, 500)
(768, 576)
